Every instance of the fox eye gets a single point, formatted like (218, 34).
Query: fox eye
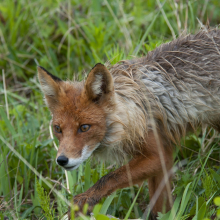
(84, 128)
(57, 129)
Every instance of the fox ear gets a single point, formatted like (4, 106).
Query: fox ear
(99, 82)
(49, 85)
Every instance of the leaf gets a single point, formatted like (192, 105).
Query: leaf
(7, 122)
(102, 217)
(46, 142)
(217, 201)
(87, 175)
(216, 176)
(132, 205)
(20, 198)
(201, 201)
(97, 209)
(27, 212)
(107, 203)
(175, 207)
(202, 211)
(71, 182)
(185, 199)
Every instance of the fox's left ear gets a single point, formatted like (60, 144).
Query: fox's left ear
(99, 82)
(50, 85)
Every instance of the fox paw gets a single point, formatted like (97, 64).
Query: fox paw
(90, 198)
(79, 201)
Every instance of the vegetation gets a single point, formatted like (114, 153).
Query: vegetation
(68, 37)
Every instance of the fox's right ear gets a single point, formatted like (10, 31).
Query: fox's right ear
(49, 85)
(99, 83)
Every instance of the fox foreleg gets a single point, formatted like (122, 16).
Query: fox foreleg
(136, 171)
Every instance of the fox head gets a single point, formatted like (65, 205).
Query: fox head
(79, 112)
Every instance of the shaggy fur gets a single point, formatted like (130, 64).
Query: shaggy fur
(177, 85)
(172, 90)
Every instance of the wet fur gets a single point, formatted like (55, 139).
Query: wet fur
(175, 88)
(176, 85)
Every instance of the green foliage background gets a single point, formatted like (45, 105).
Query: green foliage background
(68, 37)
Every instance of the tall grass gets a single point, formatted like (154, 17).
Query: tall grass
(68, 37)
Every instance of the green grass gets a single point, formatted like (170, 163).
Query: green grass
(68, 38)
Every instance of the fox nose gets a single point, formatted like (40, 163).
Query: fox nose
(62, 160)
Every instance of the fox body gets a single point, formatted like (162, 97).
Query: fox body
(137, 110)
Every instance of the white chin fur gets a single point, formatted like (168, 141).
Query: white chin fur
(74, 163)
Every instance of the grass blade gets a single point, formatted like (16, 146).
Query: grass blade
(107, 203)
(132, 205)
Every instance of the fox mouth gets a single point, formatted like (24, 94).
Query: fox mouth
(74, 163)
(71, 168)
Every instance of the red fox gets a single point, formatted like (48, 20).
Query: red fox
(137, 109)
